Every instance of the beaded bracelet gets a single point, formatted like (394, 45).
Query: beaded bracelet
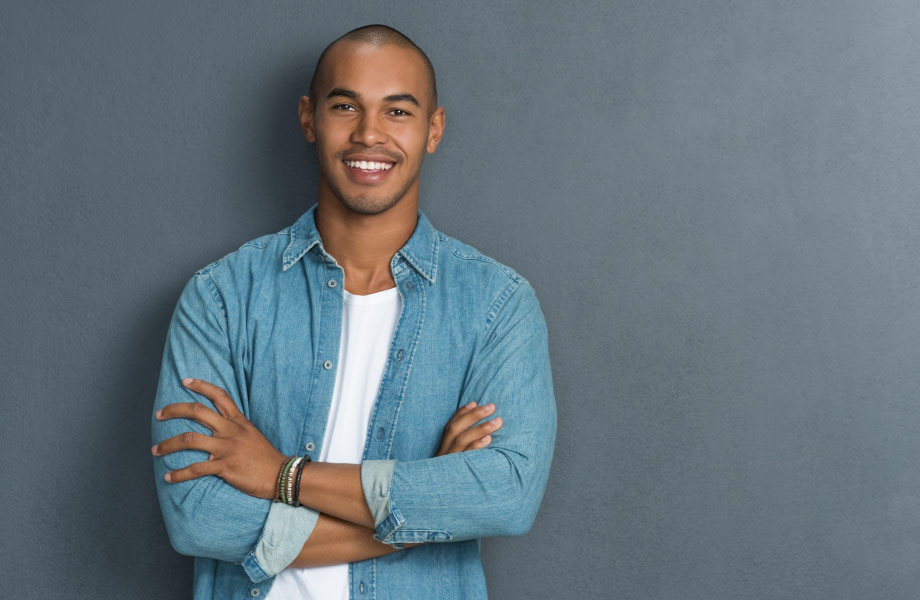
(285, 466)
(277, 497)
(289, 483)
(303, 463)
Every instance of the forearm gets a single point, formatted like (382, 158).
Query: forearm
(489, 492)
(335, 541)
(335, 489)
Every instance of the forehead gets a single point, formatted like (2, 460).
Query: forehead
(374, 71)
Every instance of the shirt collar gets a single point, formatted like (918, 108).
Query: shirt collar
(421, 251)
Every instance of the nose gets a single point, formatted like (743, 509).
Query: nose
(369, 130)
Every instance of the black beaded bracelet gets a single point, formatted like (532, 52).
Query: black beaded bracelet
(300, 467)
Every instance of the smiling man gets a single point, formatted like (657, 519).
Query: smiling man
(347, 406)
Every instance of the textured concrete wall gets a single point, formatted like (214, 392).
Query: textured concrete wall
(717, 203)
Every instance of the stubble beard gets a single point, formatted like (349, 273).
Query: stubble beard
(367, 204)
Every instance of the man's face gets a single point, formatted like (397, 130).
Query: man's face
(372, 123)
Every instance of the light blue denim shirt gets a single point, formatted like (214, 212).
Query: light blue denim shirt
(264, 323)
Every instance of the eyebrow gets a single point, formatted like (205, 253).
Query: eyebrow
(340, 92)
(402, 98)
(343, 93)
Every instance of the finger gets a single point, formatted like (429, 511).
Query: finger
(463, 410)
(462, 422)
(196, 411)
(476, 433)
(193, 471)
(479, 444)
(189, 440)
(218, 396)
(448, 434)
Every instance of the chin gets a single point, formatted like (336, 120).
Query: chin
(364, 205)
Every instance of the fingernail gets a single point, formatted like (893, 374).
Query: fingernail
(471, 405)
(187, 381)
(160, 414)
(168, 477)
(497, 422)
(487, 439)
(153, 450)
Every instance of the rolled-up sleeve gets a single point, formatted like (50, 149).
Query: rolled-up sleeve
(496, 490)
(207, 517)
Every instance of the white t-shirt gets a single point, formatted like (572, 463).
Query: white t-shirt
(368, 323)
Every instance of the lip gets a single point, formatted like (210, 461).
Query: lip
(370, 158)
(364, 177)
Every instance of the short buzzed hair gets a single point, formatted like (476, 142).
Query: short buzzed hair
(379, 35)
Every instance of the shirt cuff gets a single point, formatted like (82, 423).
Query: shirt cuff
(376, 477)
(286, 531)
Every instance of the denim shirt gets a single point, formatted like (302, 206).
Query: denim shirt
(264, 323)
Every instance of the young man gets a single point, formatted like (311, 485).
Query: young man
(308, 457)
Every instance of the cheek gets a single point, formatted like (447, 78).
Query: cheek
(329, 135)
(414, 143)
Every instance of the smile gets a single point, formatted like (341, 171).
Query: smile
(365, 165)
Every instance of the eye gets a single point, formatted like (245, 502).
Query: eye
(344, 107)
(398, 112)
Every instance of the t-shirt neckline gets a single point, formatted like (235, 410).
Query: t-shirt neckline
(376, 297)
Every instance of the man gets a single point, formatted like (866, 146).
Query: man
(350, 339)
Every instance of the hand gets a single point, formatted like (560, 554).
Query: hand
(459, 433)
(240, 454)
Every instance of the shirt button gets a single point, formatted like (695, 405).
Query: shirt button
(409, 285)
(327, 365)
(310, 446)
(399, 355)
(254, 592)
(361, 588)
(380, 433)
(332, 283)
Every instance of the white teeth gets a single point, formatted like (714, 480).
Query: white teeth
(366, 165)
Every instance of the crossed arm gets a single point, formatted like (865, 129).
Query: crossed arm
(240, 455)
(495, 490)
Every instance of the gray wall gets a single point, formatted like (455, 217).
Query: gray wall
(717, 203)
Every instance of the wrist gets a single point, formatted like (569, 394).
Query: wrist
(277, 494)
(287, 482)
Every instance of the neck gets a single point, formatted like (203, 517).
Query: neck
(364, 245)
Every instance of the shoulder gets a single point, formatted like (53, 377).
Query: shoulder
(254, 253)
(467, 270)
(466, 256)
(256, 265)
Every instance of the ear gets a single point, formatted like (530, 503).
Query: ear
(305, 110)
(436, 124)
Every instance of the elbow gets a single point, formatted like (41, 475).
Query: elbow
(202, 521)
(517, 518)
(192, 535)
(520, 499)
(517, 509)
(514, 528)
(183, 541)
